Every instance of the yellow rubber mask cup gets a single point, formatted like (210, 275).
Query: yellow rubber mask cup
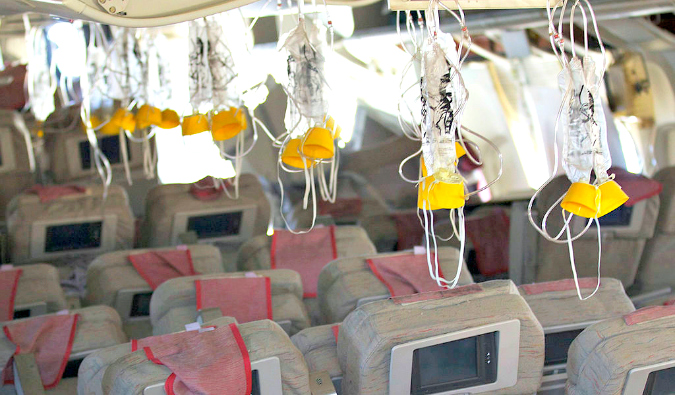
(147, 116)
(333, 127)
(227, 124)
(582, 199)
(439, 195)
(120, 119)
(611, 197)
(170, 119)
(291, 155)
(318, 143)
(195, 124)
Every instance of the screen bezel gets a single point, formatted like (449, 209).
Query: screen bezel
(633, 228)
(269, 378)
(564, 328)
(34, 309)
(636, 379)
(124, 301)
(7, 151)
(39, 229)
(180, 222)
(75, 161)
(508, 346)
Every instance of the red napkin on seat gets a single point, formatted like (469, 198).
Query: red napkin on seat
(210, 362)
(246, 299)
(404, 274)
(307, 254)
(53, 192)
(50, 338)
(559, 285)
(9, 279)
(158, 266)
(206, 189)
(636, 186)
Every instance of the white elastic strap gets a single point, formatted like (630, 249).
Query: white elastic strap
(20, 124)
(125, 158)
(574, 267)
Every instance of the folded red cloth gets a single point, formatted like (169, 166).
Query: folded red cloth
(307, 254)
(489, 235)
(404, 274)
(246, 299)
(9, 280)
(435, 295)
(559, 285)
(53, 192)
(648, 314)
(50, 338)
(636, 186)
(158, 266)
(210, 362)
(208, 188)
(336, 331)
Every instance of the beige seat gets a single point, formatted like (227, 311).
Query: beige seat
(376, 341)
(350, 241)
(108, 222)
(622, 245)
(95, 364)
(616, 356)
(98, 327)
(132, 373)
(38, 291)
(563, 316)
(174, 303)
(346, 283)
(656, 269)
(15, 173)
(113, 281)
(169, 208)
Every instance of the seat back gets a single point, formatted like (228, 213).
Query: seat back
(655, 269)
(112, 280)
(171, 211)
(174, 303)
(266, 343)
(15, 172)
(563, 316)
(90, 222)
(402, 345)
(98, 327)
(346, 283)
(38, 291)
(616, 356)
(624, 235)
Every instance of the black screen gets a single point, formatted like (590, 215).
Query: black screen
(110, 146)
(660, 382)
(140, 305)
(454, 365)
(216, 225)
(618, 217)
(255, 383)
(71, 368)
(557, 345)
(73, 237)
(0, 156)
(25, 313)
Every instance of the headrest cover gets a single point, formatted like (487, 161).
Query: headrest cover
(436, 295)
(305, 253)
(158, 266)
(246, 299)
(558, 286)
(53, 192)
(489, 235)
(637, 187)
(211, 362)
(648, 314)
(9, 280)
(404, 274)
(50, 338)
(208, 188)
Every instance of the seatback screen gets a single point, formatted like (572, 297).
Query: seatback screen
(140, 305)
(110, 146)
(73, 237)
(556, 346)
(620, 216)
(215, 225)
(454, 365)
(660, 382)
